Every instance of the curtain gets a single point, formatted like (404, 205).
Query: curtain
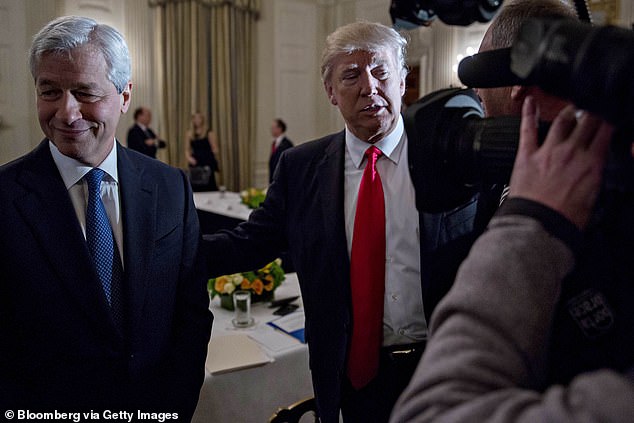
(205, 53)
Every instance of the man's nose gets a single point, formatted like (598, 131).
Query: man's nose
(68, 110)
(368, 84)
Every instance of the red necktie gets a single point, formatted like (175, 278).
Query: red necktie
(273, 147)
(367, 275)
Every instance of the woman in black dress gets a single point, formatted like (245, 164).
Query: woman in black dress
(202, 150)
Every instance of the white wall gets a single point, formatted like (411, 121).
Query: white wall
(290, 37)
(19, 21)
(19, 128)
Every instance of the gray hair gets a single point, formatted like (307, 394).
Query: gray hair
(507, 23)
(363, 36)
(66, 33)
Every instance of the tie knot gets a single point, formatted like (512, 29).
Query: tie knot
(93, 179)
(373, 154)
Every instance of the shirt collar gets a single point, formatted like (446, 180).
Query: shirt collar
(73, 171)
(388, 145)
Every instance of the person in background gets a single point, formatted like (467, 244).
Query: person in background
(141, 137)
(201, 149)
(279, 144)
(343, 206)
(103, 300)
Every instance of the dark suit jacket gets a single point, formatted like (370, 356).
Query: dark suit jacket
(285, 144)
(136, 140)
(303, 213)
(60, 348)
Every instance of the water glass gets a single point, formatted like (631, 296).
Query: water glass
(242, 309)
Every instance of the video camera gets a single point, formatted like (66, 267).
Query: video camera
(454, 149)
(408, 14)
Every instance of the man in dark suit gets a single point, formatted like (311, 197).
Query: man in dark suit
(279, 144)
(312, 210)
(76, 338)
(141, 137)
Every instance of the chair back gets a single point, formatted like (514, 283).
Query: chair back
(199, 175)
(293, 413)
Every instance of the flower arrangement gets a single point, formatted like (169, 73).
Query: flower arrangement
(252, 197)
(262, 284)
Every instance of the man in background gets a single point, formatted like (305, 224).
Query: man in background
(280, 143)
(103, 301)
(141, 137)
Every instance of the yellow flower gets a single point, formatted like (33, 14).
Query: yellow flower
(220, 284)
(259, 282)
(257, 286)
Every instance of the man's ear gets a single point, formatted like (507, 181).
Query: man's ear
(125, 97)
(518, 92)
(330, 93)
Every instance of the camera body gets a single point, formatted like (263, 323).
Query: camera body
(408, 14)
(454, 149)
(591, 66)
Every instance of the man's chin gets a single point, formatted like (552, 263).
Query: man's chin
(82, 152)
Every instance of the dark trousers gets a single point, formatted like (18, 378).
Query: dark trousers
(374, 402)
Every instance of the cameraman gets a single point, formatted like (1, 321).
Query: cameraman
(594, 319)
(507, 100)
(490, 353)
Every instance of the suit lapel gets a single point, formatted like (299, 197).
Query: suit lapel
(138, 209)
(330, 177)
(330, 180)
(47, 208)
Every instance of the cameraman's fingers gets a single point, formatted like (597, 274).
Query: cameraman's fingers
(593, 133)
(528, 127)
(562, 126)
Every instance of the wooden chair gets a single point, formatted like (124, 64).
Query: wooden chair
(293, 413)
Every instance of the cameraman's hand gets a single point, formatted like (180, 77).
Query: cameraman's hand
(565, 172)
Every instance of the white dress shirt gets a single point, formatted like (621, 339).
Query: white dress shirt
(73, 172)
(403, 317)
(278, 140)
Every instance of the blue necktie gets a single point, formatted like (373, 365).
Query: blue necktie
(102, 246)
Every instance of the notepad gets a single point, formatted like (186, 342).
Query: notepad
(234, 352)
(292, 324)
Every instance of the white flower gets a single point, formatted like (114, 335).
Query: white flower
(236, 279)
(229, 288)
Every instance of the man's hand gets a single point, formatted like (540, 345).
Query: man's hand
(565, 172)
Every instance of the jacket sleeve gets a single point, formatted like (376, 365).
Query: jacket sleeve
(487, 356)
(185, 363)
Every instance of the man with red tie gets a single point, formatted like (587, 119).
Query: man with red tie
(141, 137)
(344, 208)
(279, 144)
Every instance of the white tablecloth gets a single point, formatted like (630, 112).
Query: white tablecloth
(223, 203)
(253, 394)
